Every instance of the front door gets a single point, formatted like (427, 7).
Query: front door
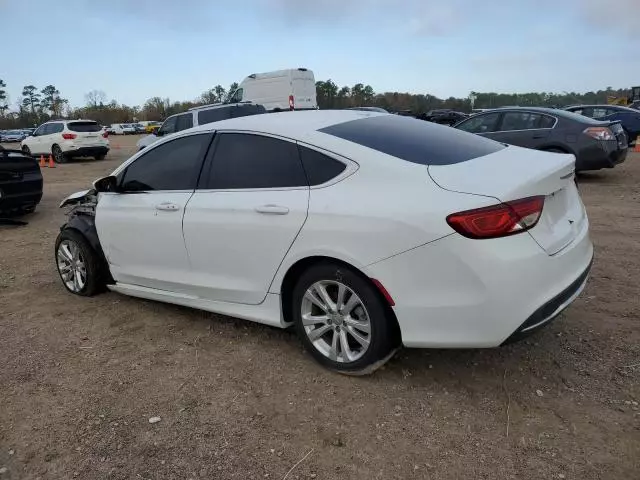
(524, 129)
(250, 204)
(140, 226)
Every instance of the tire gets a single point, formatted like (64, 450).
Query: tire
(58, 154)
(78, 249)
(367, 312)
(29, 209)
(102, 156)
(26, 151)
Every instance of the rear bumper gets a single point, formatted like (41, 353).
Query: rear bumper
(20, 195)
(600, 155)
(86, 151)
(462, 293)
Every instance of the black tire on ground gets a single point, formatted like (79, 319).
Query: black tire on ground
(29, 209)
(58, 154)
(26, 151)
(382, 337)
(102, 156)
(95, 270)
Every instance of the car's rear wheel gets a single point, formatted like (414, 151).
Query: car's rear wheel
(26, 151)
(58, 154)
(79, 266)
(342, 320)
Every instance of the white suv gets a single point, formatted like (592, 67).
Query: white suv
(65, 139)
(199, 116)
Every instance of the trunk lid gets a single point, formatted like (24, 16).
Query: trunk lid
(514, 173)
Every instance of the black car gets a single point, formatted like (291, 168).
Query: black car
(20, 182)
(445, 117)
(595, 144)
(629, 117)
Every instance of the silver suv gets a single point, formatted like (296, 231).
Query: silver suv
(199, 116)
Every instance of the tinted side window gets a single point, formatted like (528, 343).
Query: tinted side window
(184, 121)
(56, 128)
(480, 123)
(213, 115)
(169, 126)
(254, 161)
(39, 131)
(174, 165)
(546, 121)
(519, 121)
(318, 167)
(246, 110)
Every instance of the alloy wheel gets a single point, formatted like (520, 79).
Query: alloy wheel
(336, 321)
(71, 265)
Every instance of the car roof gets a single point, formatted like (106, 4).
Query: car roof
(622, 108)
(288, 124)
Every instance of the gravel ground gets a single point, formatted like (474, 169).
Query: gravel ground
(81, 378)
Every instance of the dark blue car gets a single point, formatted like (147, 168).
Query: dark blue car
(628, 117)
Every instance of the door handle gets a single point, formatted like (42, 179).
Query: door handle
(272, 209)
(167, 207)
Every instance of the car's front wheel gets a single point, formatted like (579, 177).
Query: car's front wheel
(342, 319)
(79, 266)
(26, 150)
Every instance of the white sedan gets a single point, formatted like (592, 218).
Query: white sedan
(366, 231)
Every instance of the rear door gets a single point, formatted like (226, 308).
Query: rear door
(250, 204)
(87, 133)
(303, 89)
(52, 135)
(140, 227)
(524, 129)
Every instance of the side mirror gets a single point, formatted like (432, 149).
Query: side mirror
(106, 184)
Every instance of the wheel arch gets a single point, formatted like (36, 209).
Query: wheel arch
(85, 226)
(293, 272)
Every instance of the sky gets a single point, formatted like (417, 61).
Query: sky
(137, 49)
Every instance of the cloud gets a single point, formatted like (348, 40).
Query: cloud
(622, 16)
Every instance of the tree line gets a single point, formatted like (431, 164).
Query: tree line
(37, 106)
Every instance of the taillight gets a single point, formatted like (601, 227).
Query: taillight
(500, 220)
(600, 133)
(105, 134)
(291, 103)
(69, 136)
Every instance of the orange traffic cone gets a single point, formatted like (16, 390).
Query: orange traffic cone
(51, 164)
(42, 164)
(637, 147)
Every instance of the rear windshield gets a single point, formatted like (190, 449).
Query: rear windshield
(84, 127)
(413, 140)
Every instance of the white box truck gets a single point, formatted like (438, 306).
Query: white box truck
(292, 89)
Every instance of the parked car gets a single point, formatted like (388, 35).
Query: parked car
(200, 116)
(20, 182)
(595, 144)
(369, 109)
(138, 128)
(66, 139)
(444, 117)
(363, 230)
(292, 89)
(122, 129)
(629, 117)
(12, 136)
(150, 126)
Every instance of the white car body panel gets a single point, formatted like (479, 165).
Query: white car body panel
(147, 140)
(250, 232)
(384, 216)
(143, 241)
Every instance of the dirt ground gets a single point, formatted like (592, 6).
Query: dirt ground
(80, 378)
